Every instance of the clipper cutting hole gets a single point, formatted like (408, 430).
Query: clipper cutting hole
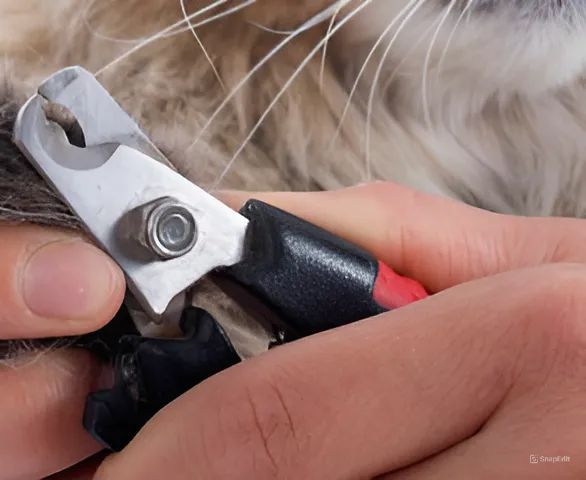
(66, 120)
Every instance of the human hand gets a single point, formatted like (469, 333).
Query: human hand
(466, 384)
(51, 284)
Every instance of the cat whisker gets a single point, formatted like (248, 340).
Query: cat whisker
(325, 49)
(163, 33)
(308, 24)
(178, 30)
(426, 63)
(200, 44)
(213, 18)
(389, 80)
(376, 79)
(269, 29)
(291, 79)
(465, 10)
(86, 21)
(363, 67)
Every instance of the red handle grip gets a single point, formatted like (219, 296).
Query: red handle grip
(392, 290)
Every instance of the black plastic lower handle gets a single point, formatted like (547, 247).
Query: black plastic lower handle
(313, 280)
(152, 372)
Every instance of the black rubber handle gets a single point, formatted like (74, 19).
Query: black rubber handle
(151, 372)
(313, 280)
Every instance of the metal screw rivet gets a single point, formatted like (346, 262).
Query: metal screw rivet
(171, 229)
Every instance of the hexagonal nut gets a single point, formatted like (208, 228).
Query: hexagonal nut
(164, 228)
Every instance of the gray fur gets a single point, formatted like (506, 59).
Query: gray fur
(24, 197)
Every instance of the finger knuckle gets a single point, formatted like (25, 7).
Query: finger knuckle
(560, 292)
(558, 312)
(253, 429)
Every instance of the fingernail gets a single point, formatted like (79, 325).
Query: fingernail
(69, 280)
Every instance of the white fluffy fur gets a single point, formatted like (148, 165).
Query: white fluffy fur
(499, 122)
(507, 105)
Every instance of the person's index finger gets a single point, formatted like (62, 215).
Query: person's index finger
(437, 241)
(54, 284)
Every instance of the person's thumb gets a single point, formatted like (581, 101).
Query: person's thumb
(54, 284)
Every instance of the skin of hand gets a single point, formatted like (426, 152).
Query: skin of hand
(465, 384)
(51, 283)
(472, 379)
